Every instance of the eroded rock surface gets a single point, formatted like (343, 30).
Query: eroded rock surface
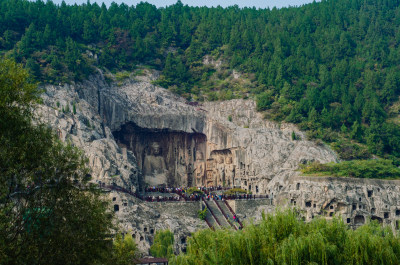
(77, 122)
(355, 200)
(237, 148)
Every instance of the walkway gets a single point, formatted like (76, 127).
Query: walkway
(219, 214)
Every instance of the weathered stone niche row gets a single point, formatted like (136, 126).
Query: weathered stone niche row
(355, 200)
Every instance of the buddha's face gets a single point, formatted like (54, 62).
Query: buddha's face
(229, 160)
(156, 148)
(199, 155)
(220, 160)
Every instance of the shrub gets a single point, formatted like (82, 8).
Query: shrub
(235, 191)
(202, 214)
(194, 190)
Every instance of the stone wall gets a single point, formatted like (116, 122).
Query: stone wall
(251, 210)
(143, 219)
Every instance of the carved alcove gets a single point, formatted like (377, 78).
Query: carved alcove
(166, 158)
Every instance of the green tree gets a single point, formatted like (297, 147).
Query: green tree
(49, 213)
(163, 246)
(124, 250)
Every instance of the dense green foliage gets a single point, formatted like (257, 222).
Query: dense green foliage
(193, 190)
(235, 191)
(284, 239)
(124, 251)
(163, 246)
(48, 212)
(331, 66)
(374, 168)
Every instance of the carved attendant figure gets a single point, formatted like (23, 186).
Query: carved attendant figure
(182, 172)
(210, 178)
(230, 172)
(220, 171)
(199, 168)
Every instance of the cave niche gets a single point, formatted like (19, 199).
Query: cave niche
(165, 157)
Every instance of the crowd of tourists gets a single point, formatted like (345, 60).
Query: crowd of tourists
(161, 198)
(190, 194)
(185, 194)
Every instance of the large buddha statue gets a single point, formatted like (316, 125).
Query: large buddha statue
(154, 167)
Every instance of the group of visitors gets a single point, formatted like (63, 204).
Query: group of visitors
(161, 198)
(209, 193)
(185, 194)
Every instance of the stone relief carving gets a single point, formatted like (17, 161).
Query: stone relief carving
(220, 171)
(181, 171)
(199, 169)
(230, 172)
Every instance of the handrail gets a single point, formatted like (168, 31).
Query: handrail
(229, 207)
(208, 207)
(223, 213)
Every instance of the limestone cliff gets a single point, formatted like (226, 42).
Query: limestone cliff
(137, 134)
(215, 143)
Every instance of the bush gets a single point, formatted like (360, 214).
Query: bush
(202, 214)
(235, 191)
(375, 168)
(349, 151)
(193, 190)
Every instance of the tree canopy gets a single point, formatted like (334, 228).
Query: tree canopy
(49, 214)
(329, 66)
(283, 238)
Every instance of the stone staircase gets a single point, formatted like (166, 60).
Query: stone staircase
(211, 222)
(219, 215)
(226, 212)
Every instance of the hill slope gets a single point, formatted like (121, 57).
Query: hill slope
(331, 66)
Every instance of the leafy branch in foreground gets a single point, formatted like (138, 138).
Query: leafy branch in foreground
(49, 213)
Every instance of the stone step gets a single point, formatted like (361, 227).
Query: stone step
(228, 214)
(218, 214)
(210, 219)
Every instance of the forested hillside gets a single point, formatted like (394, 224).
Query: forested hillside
(331, 66)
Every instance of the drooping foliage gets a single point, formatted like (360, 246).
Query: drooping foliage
(283, 238)
(163, 246)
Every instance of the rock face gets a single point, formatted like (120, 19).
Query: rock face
(219, 143)
(77, 122)
(138, 134)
